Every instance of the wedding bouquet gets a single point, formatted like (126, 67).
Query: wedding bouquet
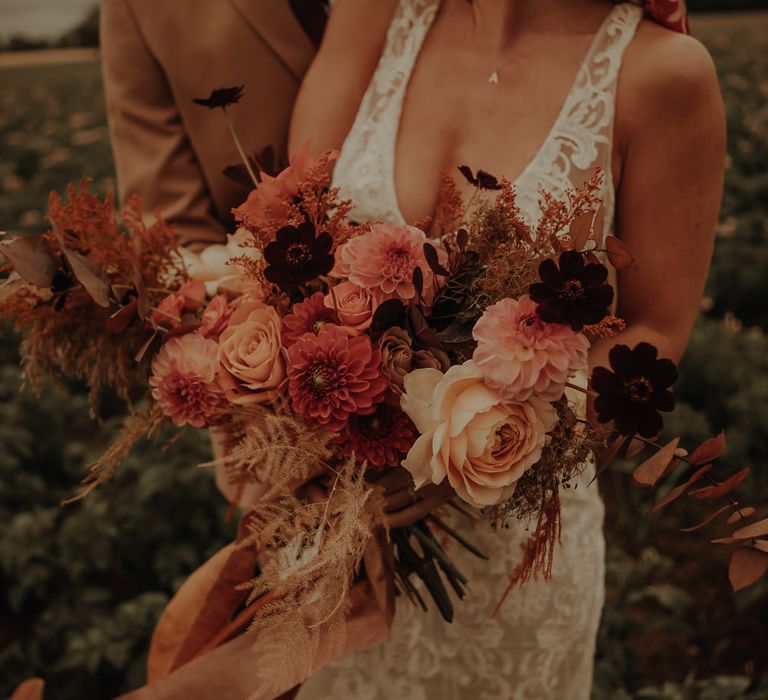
(332, 352)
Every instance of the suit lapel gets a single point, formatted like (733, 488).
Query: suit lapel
(275, 23)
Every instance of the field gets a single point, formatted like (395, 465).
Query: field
(81, 586)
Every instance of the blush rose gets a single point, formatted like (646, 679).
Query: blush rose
(252, 361)
(481, 442)
(355, 306)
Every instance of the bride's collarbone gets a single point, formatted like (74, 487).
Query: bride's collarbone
(468, 121)
(462, 106)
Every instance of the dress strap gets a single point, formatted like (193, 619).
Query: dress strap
(365, 169)
(582, 137)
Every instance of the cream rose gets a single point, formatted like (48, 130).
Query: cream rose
(212, 265)
(252, 362)
(470, 434)
(354, 305)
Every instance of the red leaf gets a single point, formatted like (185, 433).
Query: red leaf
(710, 493)
(143, 306)
(709, 450)
(598, 227)
(145, 348)
(580, 229)
(618, 253)
(85, 270)
(430, 255)
(31, 689)
(462, 239)
(746, 567)
(726, 540)
(635, 448)
(678, 491)
(89, 275)
(707, 521)
(121, 319)
(609, 455)
(754, 530)
(740, 514)
(650, 471)
(31, 258)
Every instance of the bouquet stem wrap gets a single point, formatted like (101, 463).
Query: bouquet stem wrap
(197, 653)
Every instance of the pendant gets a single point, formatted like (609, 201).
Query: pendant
(494, 79)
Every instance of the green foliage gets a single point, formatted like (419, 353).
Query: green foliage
(81, 587)
(53, 126)
(84, 33)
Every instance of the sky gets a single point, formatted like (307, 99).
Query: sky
(41, 18)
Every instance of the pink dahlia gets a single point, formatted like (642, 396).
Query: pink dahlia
(520, 355)
(332, 376)
(184, 381)
(383, 260)
(382, 438)
(309, 316)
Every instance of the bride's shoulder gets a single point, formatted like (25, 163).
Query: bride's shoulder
(339, 75)
(663, 65)
(358, 26)
(667, 78)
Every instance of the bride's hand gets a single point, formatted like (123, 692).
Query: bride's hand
(404, 505)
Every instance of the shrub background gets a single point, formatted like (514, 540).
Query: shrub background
(82, 586)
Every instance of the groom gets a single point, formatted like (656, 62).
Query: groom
(158, 55)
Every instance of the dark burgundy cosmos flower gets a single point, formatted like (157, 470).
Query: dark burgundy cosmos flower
(483, 180)
(221, 97)
(382, 438)
(635, 391)
(297, 256)
(573, 293)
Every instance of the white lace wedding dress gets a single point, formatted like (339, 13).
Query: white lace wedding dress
(542, 644)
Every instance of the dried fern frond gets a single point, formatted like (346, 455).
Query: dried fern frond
(311, 554)
(275, 450)
(135, 427)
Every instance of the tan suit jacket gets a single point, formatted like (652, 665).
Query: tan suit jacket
(160, 54)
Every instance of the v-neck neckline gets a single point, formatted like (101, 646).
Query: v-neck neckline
(562, 114)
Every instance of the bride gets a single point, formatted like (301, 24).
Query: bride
(541, 91)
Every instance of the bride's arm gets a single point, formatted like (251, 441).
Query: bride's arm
(339, 75)
(671, 134)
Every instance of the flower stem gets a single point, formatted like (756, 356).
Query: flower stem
(239, 147)
(582, 389)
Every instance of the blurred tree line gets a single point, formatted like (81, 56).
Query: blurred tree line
(83, 34)
(86, 32)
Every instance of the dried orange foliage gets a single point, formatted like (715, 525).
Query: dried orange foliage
(511, 251)
(311, 553)
(558, 214)
(128, 262)
(449, 212)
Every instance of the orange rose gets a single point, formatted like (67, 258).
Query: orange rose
(252, 361)
(354, 305)
(470, 434)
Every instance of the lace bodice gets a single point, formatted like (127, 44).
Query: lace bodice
(541, 646)
(580, 139)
